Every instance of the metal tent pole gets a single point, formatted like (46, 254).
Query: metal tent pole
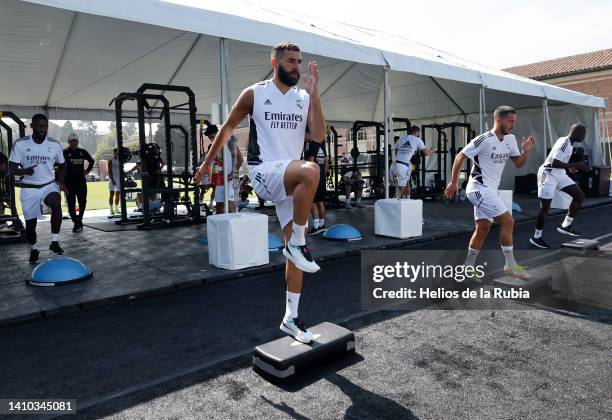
(387, 97)
(224, 108)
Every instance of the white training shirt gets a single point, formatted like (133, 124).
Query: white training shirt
(115, 168)
(561, 151)
(278, 123)
(489, 155)
(406, 147)
(26, 152)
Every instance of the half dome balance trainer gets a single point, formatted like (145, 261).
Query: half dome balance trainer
(59, 270)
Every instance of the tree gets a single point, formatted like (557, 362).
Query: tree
(88, 134)
(104, 148)
(67, 128)
(129, 129)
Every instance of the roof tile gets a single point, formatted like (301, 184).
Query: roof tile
(596, 60)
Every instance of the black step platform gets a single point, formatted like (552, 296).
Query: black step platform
(282, 358)
(582, 244)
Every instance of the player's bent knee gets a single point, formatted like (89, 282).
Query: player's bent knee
(482, 229)
(53, 200)
(507, 221)
(310, 172)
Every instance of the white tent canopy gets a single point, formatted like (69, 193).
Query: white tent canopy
(71, 57)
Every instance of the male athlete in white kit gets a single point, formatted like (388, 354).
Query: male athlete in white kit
(406, 147)
(279, 114)
(552, 176)
(489, 153)
(32, 161)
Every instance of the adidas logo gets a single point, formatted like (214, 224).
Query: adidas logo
(494, 148)
(268, 102)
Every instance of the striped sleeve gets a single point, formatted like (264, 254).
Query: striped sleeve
(475, 146)
(559, 149)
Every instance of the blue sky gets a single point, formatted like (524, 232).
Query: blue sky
(496, 34)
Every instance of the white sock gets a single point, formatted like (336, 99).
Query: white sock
(321, 222)
(509, 255)
(358, 201)
(34, 247)
(315, 223)
(470, 260)
(55, 237)
(291, 305)
(537, 234)
(297, 235)
(568, 221)
(408, 196)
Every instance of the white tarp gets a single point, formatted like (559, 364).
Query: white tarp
(73, 56)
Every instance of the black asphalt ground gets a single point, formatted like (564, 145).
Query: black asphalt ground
(187, 355)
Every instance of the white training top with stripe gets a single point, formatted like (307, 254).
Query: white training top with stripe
(114, 162)
(45, 155)
(489, 155)
(561, 151)
(406, 147)
(278, 123)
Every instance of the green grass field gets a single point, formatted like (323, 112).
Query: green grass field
(97, 196)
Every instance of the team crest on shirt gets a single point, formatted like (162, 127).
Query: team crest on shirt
(298, 102)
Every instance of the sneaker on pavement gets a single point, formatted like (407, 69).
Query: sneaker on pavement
(34, 253)
(295, 328)
(516, 271)
(55, 247)
(300, 256)
(568, 231)
(539, 242)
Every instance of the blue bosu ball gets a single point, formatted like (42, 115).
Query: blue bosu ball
(59, 270)
(274, 244)
(342, 233)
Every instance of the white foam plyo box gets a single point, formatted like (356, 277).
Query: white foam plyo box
(237, 240)
(561, 200)
(506, 197)
(398, 218)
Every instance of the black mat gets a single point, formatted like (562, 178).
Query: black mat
(109, 226)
